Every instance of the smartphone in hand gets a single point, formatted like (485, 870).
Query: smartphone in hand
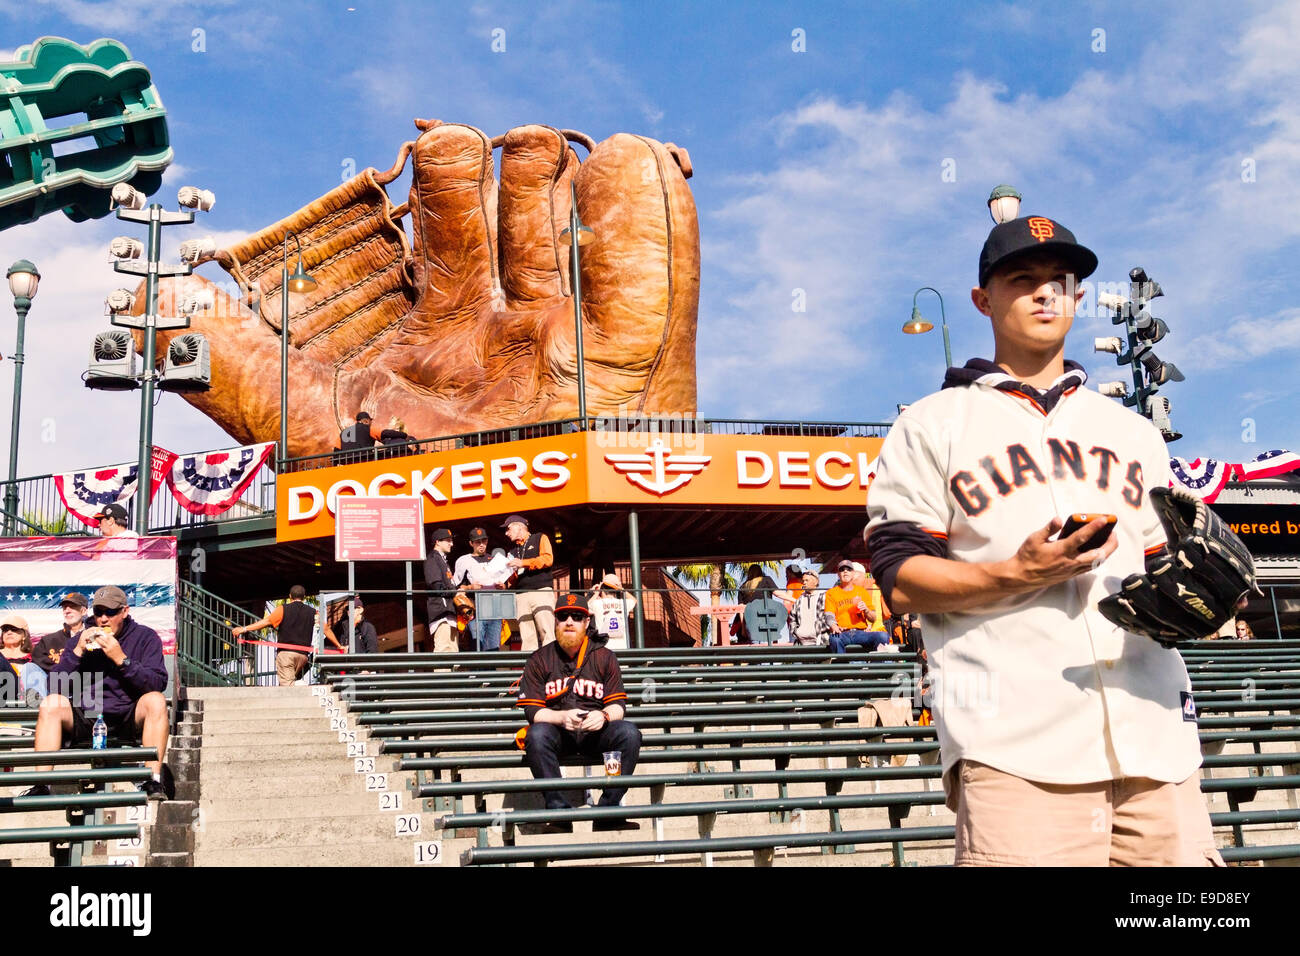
(1076, 521)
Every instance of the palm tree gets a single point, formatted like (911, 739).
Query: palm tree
(32, 520)
(720, 579)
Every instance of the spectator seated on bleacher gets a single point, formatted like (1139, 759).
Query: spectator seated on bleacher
(116, 668)
(850, 614)
(572, 694)
(15, 657)
(47, 651)
(808, 624)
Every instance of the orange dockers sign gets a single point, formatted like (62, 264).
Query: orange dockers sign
(594, 467)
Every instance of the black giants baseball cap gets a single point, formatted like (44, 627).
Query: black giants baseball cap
(572, 602)
(1010, 239)
(114, 511)
(477, 534)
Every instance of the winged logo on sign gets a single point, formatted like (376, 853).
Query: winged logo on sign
(652, 470)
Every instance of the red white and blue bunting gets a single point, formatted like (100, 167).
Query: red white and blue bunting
(1206, 478)
(209, 483)
(85, 493)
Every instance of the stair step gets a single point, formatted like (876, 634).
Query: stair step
(222, 809)
(372, 827)
(289, 763)
(215, 754)
(300, 724)
(289, 786)
(210, 695)
(389, 852)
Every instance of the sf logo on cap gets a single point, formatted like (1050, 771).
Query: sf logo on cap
(570, 601)
(1041, 229)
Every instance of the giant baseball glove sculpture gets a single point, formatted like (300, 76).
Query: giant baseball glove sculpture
(470, 325)
(1194, 585)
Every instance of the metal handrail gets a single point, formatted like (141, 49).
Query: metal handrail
(38, 495)
(207, 653)
(609, 424)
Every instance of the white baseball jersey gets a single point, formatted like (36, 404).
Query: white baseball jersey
(609, 617)
(1039, 684)
(473, 571)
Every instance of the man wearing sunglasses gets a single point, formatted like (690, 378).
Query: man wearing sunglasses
(572, 694)
(120, 665)
(113, 522)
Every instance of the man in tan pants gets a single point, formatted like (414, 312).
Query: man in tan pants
(534, 587)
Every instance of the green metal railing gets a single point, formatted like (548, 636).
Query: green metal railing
(602, 424)
(207, 653)
(41, 509)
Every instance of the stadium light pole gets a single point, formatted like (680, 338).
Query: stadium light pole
(300, 281)
(917, 325)
(131, 207)
(23, 281)
(585, 236)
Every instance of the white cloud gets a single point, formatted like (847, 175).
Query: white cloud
(174, 174)
(1243, 340)
(245, 26)
(1141, 158)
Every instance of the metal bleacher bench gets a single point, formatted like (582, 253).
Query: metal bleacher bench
(451, 716)
(83, 808)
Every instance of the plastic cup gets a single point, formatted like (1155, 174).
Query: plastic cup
(613, 763)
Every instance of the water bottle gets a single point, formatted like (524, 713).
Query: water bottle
(99, 735)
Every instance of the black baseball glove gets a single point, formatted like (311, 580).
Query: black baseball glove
(1192, 587)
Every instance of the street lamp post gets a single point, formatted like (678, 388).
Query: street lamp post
(300, 281)
(23, 280)
(1004, 203)
(585, 236)
(917, 325)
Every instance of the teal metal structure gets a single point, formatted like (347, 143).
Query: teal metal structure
(75, 121)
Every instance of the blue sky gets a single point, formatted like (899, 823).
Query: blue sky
(819, 171)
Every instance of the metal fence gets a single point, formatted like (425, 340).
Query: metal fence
(41, 506)
(207, 654)
(605, 424)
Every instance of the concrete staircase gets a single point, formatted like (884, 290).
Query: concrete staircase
(277, 787)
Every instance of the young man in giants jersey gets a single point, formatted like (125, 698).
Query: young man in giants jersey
(1066, 740)
(572, 694)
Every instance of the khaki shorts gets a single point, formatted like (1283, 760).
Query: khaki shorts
(1005, 820)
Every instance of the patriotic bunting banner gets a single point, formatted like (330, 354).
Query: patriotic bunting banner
(210, 483)
(1206, 478)
(85, 493)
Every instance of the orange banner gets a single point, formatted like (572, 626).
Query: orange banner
(598, 467)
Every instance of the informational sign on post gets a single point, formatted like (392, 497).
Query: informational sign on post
(388, 528)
